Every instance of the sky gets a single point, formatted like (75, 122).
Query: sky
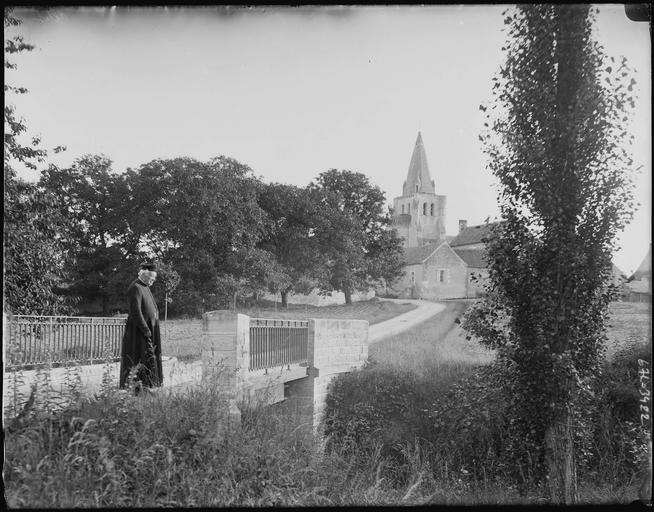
(293, 92)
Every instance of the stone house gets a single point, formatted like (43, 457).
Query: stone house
(446, 270)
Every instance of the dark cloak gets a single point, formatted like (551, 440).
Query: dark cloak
(141, 346)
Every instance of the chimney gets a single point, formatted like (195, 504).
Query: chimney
(462, 225)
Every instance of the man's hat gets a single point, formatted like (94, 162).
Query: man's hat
(148, 265)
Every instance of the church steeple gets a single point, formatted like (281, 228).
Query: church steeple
(418, 179)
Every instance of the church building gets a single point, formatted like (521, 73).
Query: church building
(437, 266)
(419, 214)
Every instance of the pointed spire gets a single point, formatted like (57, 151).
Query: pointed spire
(418, 178)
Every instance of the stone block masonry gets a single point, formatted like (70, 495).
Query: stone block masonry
(333, 346)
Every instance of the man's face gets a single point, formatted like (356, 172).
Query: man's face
(148, 276)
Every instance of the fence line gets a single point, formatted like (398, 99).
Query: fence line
(59, 340)
(277, 342)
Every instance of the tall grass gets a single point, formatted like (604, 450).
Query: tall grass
(422, 424)
(178, 448)
(433, 391)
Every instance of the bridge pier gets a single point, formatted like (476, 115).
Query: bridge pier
(225, 337)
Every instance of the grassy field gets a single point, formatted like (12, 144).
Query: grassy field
(441, 341)
(373, 310)
(630, 323)
(431, 345)
(182, 337)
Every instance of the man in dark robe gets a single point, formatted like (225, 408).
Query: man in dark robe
(140, 357)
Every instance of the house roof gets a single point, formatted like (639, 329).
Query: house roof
(645, 268)
(418, 171)
(617, 273)
(473, 234)
(416, 255)
(473, 257)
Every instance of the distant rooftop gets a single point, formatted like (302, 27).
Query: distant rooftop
(473, 234)
(645, 268)
(416, 255)
(474, 258)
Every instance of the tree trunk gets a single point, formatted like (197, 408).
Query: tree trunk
(284, 298)
(166, 319)
(348, 296)
(559, 446)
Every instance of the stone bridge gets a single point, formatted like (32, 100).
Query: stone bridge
(268, 361)
(257, 360)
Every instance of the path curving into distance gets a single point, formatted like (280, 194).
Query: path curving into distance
(424, 311)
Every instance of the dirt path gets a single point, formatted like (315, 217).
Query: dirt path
(423, 311)
(438, 339)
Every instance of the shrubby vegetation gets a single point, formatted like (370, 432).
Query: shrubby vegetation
(179, 449)
(393, 435)
(466, 430)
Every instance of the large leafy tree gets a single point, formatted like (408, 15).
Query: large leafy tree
(33, 253)
(92, 197)
(203, 218)
(26, 153)
(290, 237)
(557, 144)
(354, 233)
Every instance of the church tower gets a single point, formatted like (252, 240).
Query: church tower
(419, 214)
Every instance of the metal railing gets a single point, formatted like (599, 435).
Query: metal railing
(277, 342)
(59, 340)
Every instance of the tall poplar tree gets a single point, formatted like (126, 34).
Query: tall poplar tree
(557, 142)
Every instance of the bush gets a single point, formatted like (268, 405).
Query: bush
(389, 412)
(471, 424)
(376, 403)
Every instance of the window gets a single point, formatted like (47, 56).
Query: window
(432, 209)
(424, 208)
(417, 188)
(413, 277)
(402, 209)
(441, 276)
